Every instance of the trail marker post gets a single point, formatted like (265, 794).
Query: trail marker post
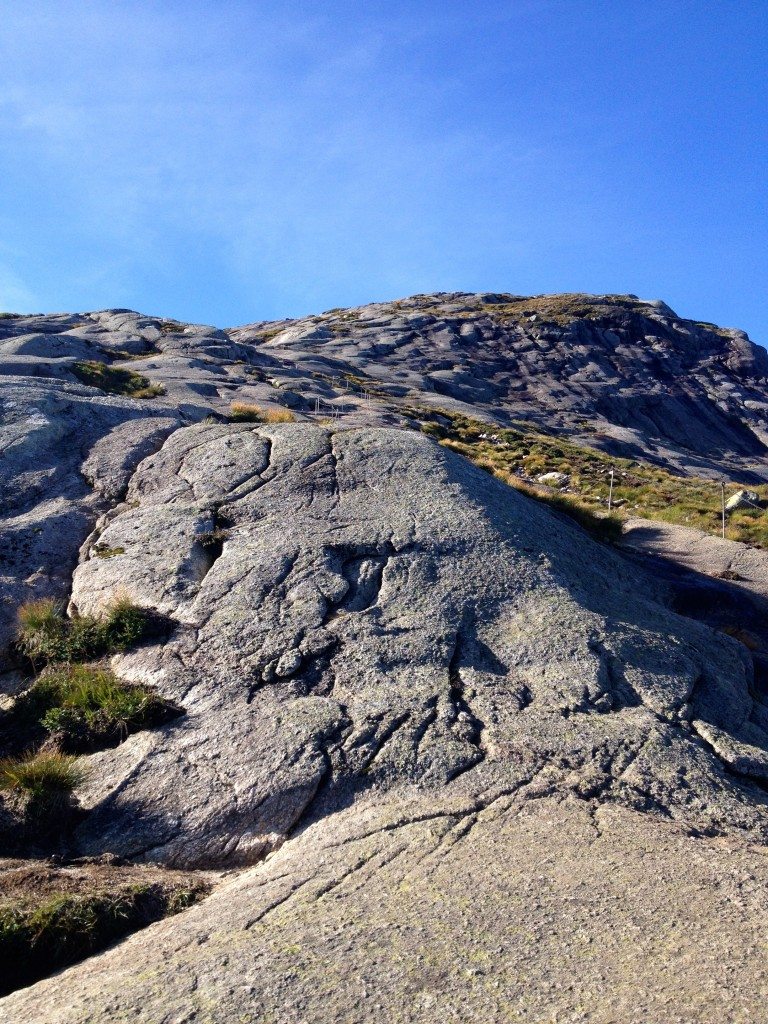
(610, 493)
(722, 502)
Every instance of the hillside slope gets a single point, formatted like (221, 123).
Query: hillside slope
(444, 755)
(619, 373)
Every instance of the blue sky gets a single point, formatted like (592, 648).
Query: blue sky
(225, 162)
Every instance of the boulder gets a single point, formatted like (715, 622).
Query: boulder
(742, 499)
(412, 700)
(553, 479)
(381, 615)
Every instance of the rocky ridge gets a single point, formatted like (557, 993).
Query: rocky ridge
(412, 695)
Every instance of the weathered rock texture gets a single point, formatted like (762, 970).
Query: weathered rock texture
(66, 453)
(516, 912)
(493, 773)
(614, 371)
(383, 614)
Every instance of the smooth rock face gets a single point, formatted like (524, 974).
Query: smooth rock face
(531, 910)
(475, 766)
(384, 615)
(66, 450)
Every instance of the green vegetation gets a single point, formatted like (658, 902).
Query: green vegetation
(41, 776)
(43, 932)
(86, 707)
(268, 334)
(171, 326)
(245, 412)
(562, 309)
(115, 381)
(639, 489)
(712, 328)
(604, 527)
(83, 707)
(104, 551)
(45, 634)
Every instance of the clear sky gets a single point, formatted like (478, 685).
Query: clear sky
(227, 161)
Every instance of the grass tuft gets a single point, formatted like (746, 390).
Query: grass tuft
(46, 635)
(40, 775)
(245, 412)
(86, 707)
(115, 381)
(41, 935)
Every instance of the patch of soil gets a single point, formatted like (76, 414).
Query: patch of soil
(53, 915)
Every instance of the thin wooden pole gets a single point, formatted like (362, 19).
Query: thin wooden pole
(610, 493)
(722, 501)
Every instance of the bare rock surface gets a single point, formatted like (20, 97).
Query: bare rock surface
(613, 371)
(378, 613)
(533, 910)
(621, 373)
(462, 761)
(743, 566)
(66, 451)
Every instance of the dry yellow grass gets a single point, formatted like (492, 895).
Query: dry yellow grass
(245, 412)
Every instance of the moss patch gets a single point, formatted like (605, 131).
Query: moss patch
(104, 551)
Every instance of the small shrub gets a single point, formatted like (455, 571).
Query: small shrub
(244, 412)
(40, 775)
(122, 626)
(115, 381)
(436, 430)
(181, 900)
(46, 635)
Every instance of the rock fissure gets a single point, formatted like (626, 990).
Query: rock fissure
(401, 676)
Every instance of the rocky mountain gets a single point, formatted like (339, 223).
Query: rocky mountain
(437, 753)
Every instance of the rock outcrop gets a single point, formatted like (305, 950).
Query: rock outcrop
(67, 453)
(517, 911)
(379, 615)
(469, 763)
(612, 371)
